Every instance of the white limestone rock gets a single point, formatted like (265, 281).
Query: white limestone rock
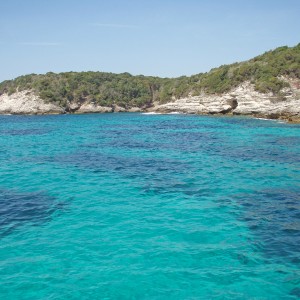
(242, 100)
(26, 102)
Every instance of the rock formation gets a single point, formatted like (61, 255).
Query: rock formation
(242, 100)
(26, 102)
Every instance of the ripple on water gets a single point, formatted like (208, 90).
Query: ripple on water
(168, 207)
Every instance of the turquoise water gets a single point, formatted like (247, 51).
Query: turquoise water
(133, 206)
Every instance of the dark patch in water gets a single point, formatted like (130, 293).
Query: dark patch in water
(274, 217)
(17, 209)
(262, 153)
(177, 140)
(172, 187)
(155, 175)
(280, 150)
(192, 135)
(21, 132)
(295, 292)
(129, 166)
(282, 140)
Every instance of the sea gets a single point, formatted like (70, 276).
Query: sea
(146, 206)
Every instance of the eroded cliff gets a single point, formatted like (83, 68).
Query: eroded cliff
(242, 100)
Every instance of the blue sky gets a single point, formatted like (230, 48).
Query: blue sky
(164, 38)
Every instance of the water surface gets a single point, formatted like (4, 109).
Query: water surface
(133, 206)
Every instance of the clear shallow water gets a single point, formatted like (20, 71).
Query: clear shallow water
(132, 206)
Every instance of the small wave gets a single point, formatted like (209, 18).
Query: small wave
(274, 120)
(151, 113)
(175, 113)
(265, 119)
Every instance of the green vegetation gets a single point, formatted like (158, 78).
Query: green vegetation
(102, 88)
(125, 90)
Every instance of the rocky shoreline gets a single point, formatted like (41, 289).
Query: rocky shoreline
(242, 100)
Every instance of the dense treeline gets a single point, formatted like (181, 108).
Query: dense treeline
(107, 89)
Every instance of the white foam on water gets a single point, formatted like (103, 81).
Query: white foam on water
(151, 113)
(274, 120)
(174, 113)
(265, 119)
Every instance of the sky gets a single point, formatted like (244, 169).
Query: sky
(155, 37)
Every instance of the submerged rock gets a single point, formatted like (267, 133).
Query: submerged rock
(17, 209)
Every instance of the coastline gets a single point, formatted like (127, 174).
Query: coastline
(281, 119)
(243, 100)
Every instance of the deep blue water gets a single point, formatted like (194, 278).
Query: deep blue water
(133, 206)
